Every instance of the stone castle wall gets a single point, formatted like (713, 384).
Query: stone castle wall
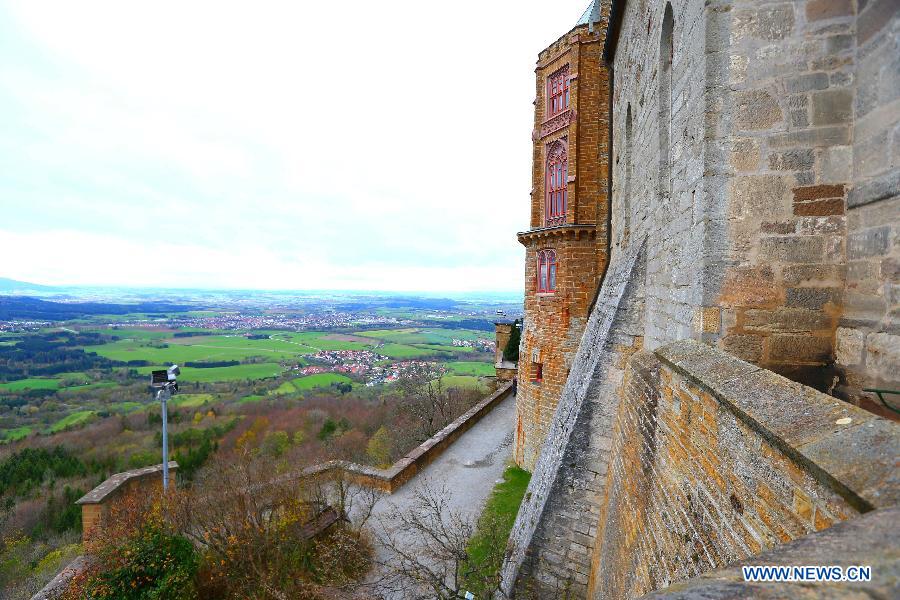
(709, 469)
(756, 156)
(868, 336)
(775, 113)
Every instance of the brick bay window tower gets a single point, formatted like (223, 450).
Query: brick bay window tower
(566, 244)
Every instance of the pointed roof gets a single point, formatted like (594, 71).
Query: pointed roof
(591, 14)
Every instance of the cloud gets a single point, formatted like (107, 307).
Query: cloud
(314, 145)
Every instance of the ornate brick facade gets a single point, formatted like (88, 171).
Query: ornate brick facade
(554, 321)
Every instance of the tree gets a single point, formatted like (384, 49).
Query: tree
(428, 550)
(276, 443)
(423, 396)
(252, 528)
(511, 350)
(379, 447)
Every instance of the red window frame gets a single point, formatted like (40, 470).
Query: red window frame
(546, 271)
(557, 188)
(537, 372)
(558, 92)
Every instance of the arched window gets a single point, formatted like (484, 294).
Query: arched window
(666, 52)
(557, 183)
(546, 271)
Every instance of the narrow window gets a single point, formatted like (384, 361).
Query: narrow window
(558, 92)
(629, 159)
(537, 372)
(666, 51)
(557, 184)
(546, 271)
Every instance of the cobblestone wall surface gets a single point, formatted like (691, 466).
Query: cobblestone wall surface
(748, 222)
(868, 336)
(709, 469)
(869, 540)
(549, 532)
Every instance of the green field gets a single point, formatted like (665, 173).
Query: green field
(11, 435)
(461, 381)
(205, 348)
(314, 341)
(191, 400)
(250, 399)
(479, 369)
(302, 384)
(235, 373)
(75, 418)
(403, 352)
(30, 384)
(423, 335)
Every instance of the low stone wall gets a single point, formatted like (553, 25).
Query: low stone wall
(870, 541)
(394, 477)
(95, 505)
(716, 460)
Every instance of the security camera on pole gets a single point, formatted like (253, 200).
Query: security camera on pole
(163, 384)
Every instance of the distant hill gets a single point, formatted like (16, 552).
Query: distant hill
(23, 307)
(11, 285)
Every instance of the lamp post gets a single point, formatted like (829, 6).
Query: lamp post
(164, 385)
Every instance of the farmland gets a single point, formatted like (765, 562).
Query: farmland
(262, 363)
(329, 378)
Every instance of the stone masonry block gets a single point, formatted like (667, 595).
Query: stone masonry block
(793, 249)
(756, 109)
(832, 106)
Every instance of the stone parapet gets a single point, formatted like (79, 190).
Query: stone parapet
(96, 504)
(870, 540)
(394, 477)
(715, 460)
(533, 521)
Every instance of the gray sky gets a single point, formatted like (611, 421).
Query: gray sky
(278, 145)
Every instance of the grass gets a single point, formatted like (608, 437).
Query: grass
(192, 400)
(76, 418)
(11, 435)
(486, 548)
(302, 384)
(478, 369)
(235, 373)
(423, 336)
(250, 399)
(30, 384)
(205, 348)
(461, 381)
(402, 351)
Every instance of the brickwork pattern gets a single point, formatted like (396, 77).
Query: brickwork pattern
(694, 488)
(554, 322)
(548, 544)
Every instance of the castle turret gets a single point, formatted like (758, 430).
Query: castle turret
(566, 243)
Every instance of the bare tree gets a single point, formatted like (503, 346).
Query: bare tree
(428, 550)
(424, 397)
(255, 528)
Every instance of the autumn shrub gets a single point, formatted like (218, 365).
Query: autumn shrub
(251, 526)
(139, 556)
